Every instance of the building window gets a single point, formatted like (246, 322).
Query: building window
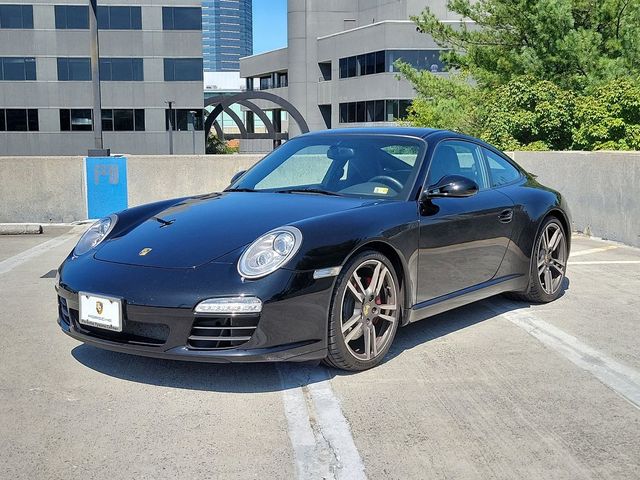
(352, 67)
(19, 120)
(182, 119)
(121, 70)
(373, 111)
(74, 69)
(120, 18)
(325, 71)
(76, 120)
(123, 120)
(16, 16)
(419, 59)
(282, 80)
(370, 63)
(396, 109)
(72, 17)
(265, 83)
(182, 69)
(17, 68)
(181, 18)
(359, 65)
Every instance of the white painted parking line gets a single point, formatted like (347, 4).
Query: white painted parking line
(607, 262)
(23, 257)
(308, 464)
(620, 378)
(335, 430)
(320, 435)
(579, 253)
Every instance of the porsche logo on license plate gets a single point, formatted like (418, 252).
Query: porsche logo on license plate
(99, 307)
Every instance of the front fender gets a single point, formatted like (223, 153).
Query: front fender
(331, 239)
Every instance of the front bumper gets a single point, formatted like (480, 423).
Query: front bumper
(291, 327)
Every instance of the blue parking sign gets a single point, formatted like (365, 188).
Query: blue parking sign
(106, 180)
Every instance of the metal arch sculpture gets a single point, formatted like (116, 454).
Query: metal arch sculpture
(244, 98)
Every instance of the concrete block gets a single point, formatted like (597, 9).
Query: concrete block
(20, 229)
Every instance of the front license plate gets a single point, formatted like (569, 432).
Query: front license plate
(101, 312)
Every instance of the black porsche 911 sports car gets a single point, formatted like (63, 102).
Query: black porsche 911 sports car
(320, 251)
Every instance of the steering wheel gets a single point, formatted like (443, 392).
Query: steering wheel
(389, 181)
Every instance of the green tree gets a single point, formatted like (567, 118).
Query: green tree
(452, 103)
(530, 115)
(215, 146)
(572, 43)
(609, 118)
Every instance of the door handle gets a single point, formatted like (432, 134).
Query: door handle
(506, 216)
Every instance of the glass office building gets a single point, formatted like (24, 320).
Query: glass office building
(227, 34)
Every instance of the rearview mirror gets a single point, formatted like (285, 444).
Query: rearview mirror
(237, 176)
(341, 154)
(452, 186)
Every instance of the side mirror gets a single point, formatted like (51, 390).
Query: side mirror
(452, 186)
(237, 176)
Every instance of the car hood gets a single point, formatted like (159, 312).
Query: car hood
(198, 230)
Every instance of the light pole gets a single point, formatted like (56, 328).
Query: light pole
(193, 129)
(95, 75)
(170, 103)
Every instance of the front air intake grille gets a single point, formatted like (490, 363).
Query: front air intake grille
(135, 333)
(222, 332)
(63, 311)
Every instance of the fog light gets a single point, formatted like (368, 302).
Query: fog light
(230, 305)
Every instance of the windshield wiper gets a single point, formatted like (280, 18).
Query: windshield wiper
(309, 190)
(240, 190)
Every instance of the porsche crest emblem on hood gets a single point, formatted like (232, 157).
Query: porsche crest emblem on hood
(145, 251)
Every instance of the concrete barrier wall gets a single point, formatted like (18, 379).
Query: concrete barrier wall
(153, 178)
(53, 189)
(42, 189)
(602, 188)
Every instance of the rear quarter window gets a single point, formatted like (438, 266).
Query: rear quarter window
(501, 171)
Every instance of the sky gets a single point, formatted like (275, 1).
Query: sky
(269, 25)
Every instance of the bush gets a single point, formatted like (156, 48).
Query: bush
(609, 118)
(526, 114)
(215, 146)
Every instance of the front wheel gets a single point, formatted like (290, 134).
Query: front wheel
(365, 312)
(548, 265)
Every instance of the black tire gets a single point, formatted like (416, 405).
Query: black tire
(340, 355)
(536, 292)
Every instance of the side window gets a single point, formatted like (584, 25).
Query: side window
(500, 170)
(457, 158)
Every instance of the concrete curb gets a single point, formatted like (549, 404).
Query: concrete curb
(20, 229)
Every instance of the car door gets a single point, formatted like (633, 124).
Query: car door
(462, 240)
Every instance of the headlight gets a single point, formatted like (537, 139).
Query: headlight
(96, 234)
(270, 252)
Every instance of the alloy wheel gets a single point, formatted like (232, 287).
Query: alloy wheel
(370, 310)
(552, 258)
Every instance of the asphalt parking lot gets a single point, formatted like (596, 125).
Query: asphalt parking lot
(499, 389)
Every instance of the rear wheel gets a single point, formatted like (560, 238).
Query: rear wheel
(365, 312)
(548, 265)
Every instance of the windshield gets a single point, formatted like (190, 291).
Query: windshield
(352, 165)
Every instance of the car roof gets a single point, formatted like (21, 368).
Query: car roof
(405, 131)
